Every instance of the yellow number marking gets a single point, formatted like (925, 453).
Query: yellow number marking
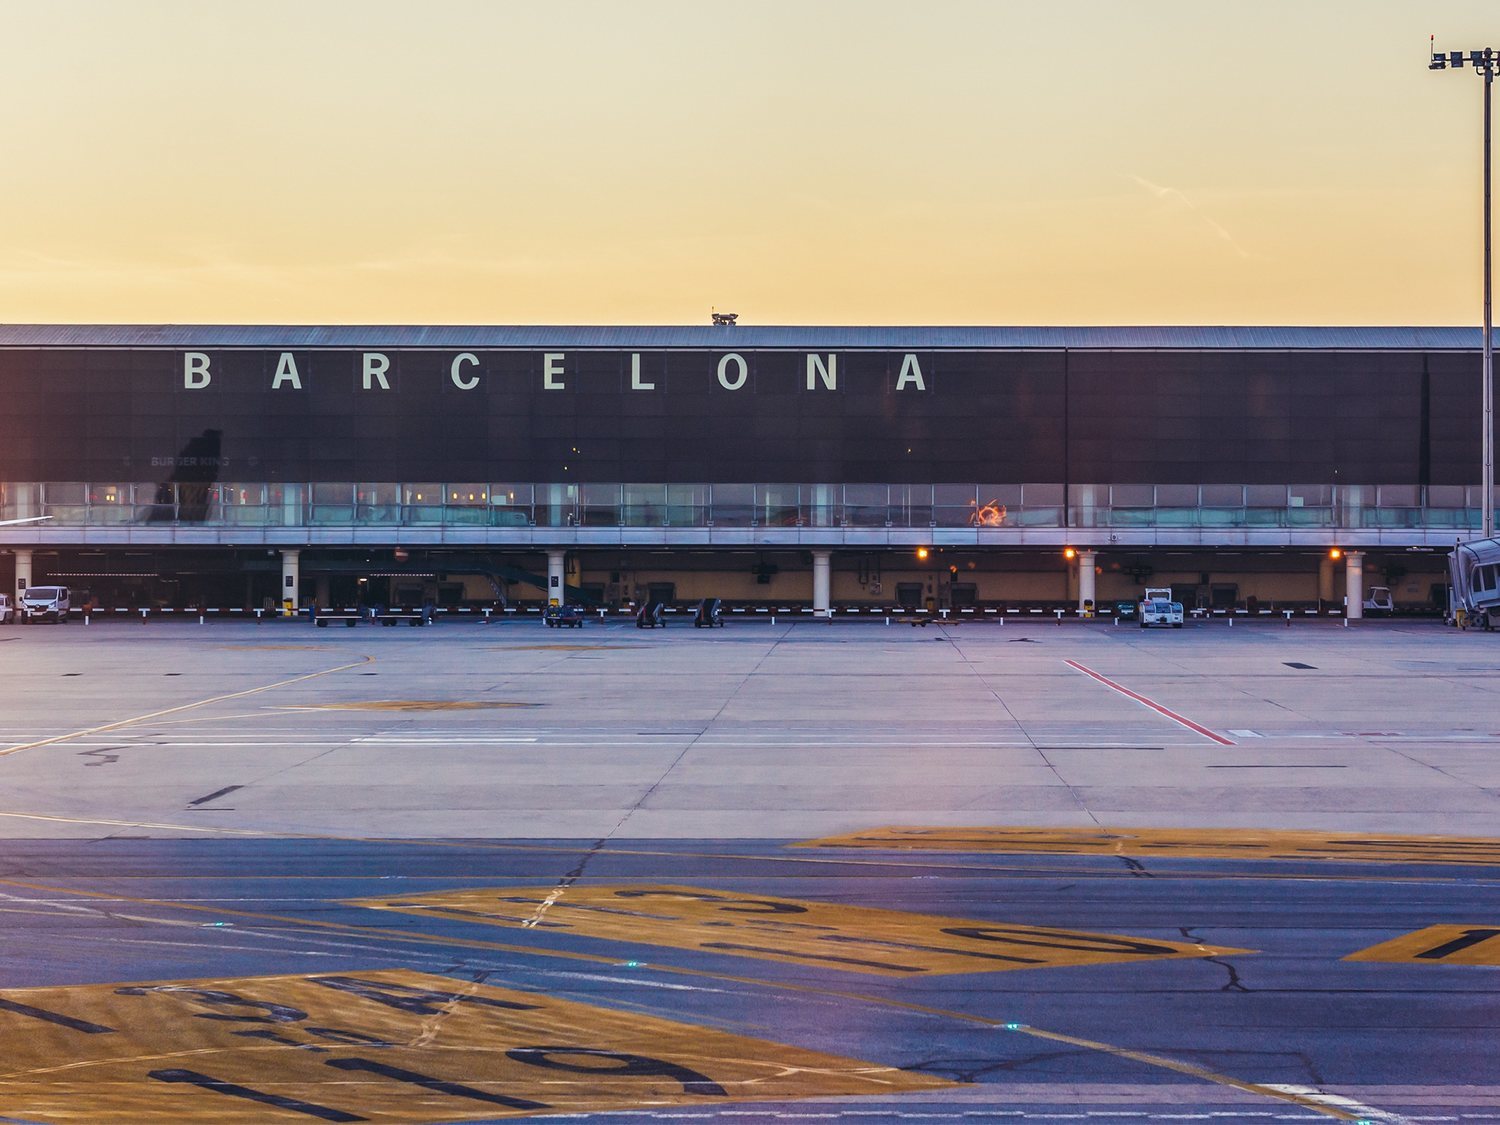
(1439, 945)
(383, 1046)
(858, 939)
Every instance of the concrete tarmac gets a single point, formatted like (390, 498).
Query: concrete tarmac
(474, 872)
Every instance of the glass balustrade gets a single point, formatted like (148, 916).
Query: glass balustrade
(991, 509)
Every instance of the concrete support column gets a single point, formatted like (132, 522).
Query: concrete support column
(557, 577)
(1354, 576)
(821, 583)
(23, 569)
(1086, 563)
(1325, 580)
(291, 576)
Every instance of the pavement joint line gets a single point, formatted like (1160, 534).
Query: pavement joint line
(1313, 1101)
(1151, 703)
(180, 708)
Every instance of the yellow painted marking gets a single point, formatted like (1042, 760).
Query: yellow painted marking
(412, 937)
(414, 705)
(1204, 843)
(557, 648)
(182, 707)
(381, 1046)
(273, 648)
(1439, 945)
(859, 939)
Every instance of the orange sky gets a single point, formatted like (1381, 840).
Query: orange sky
(863, 162)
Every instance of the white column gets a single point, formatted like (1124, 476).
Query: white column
(1325, 580)
(821, 583)
(556, 577)
(23, 569)
(291, 575)
(1086, 578)
(1354, 575)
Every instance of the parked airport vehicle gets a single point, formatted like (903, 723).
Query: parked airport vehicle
(1158, 608)
(1378, 600)
(45, 603)
(563, 616)
(1474, 578)
(649, 616)
(710, 613)
(7, 611)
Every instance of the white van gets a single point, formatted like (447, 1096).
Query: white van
(7, 611)
(45, 603)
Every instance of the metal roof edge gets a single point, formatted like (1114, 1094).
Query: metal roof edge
(646, 337)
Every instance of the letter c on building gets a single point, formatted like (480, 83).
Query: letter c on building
(458, 380)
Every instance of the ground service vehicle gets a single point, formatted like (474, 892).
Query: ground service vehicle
(649, 616)
(1474, 577)
(1158, 608)
(45, 603)
(710, 613)
(1378, 600)
(7, 611)
(563, 616)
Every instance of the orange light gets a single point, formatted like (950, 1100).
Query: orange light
(1335, 554)
(921, 552)
(1069, 553)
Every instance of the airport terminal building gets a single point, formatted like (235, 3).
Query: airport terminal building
(830, 468)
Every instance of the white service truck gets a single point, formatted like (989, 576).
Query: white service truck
(1158, 608)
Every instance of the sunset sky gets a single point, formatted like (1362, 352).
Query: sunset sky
(861, 162)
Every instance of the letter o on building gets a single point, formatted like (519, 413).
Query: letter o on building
(739, 361)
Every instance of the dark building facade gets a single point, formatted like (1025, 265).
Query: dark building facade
(597, 441)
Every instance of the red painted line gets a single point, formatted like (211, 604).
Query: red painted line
(1157, 707)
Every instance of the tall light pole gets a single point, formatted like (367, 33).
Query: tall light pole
(1484, 63)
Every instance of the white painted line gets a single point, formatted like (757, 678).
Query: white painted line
(1334, 1101)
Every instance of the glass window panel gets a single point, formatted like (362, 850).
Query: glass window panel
(1445, 495)
(1132, 496)
(865, 505)
(556, 505)
(600, 504)
(378, 494)
(777, 504)
(1223, 495)
(1177, 496)
(733, 504)
(422, 495)
(65, 492)
(953, 495)
(687, 505)
(911, 505)
(1399, 495)
(1265, 495)
(503, 495)
(1309, 495)
(240, 494)
(109, 494)
(467, 495)
(1008, 495)
(1043, 495)
(332, 493)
